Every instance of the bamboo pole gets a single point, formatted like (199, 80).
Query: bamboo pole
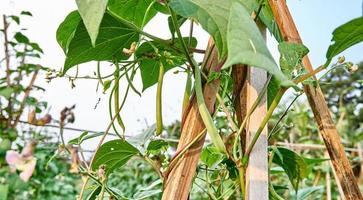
(319, 107)
(179, 180)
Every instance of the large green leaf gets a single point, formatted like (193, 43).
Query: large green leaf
(112, 38)
(293, 164)
(211, 14)
(151, 58)
(265, 15)
(247, 46)
(67, 29)
(233, 31)
(345, 36)
(132, 10)
(113, 155)
(92, 12)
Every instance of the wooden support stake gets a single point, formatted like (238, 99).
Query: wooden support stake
(249, 82)
(179, 180)
(319, 107)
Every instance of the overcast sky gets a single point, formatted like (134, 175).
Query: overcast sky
(315, 19)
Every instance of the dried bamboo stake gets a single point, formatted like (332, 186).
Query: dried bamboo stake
(320, 109)
(179, 180)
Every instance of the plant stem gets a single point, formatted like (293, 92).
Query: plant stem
(249, 113)
(117, 98)
(310, 74)
(180, 37)
(26, 95)
(6, 49)
(98, 146)
(267, 117)
(152, 163)
(283, 115)
(228, 114)
(241, 172)
(179, 154)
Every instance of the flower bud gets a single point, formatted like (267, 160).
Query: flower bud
(353, 68)
(341, 59)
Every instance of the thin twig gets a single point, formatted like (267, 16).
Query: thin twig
(26, 95)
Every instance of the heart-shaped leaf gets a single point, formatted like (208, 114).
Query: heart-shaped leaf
(132, 10)
(345, 36)
(293, 164)
(113, 155)
(92, 12)
(113, 36)
(233, 31)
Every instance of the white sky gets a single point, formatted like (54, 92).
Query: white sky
(315, 19)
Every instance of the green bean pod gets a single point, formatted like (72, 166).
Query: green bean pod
(206, 117)
(187, 92)
(159, 117)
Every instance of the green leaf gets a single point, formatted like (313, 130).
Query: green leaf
(345, 36)
(291, 55)
(26, 13)
(67, 28)
(305, 193)
(211, 14)
(6, 92)
(106, 85)
(83, 137)
(180, 22)
(4, 189)
(142, 140)
(233, 31)
(21, 38)
(92, 12)
(211, 157)
(156, 146)
(132, 10)
(112, 38)
(152, 53)
(15, 18)
(94, 193)
(113, 154)
(247, 46)
(265, 15)
(36, 47)
(293, 164)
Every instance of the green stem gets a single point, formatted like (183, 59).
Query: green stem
(184, 45)
(241, 172)
(248, 115)
(159, 114)
(267, 117)
(283, 115)
(117, 97)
